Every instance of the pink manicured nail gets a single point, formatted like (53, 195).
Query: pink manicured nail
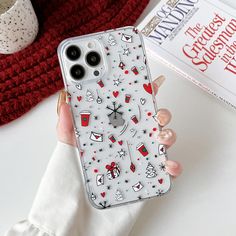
(159, 81)
(172, 164)
(173, 168)
(163, 117)
(167, 137)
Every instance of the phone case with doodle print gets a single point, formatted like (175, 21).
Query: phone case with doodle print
(114, 113)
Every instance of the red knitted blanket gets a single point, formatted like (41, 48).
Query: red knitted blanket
(29, 76)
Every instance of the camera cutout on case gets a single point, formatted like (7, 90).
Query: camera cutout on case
(85, 60)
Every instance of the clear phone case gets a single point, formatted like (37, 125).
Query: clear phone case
(114, 112)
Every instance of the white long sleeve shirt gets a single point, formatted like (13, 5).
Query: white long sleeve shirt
(61, 208)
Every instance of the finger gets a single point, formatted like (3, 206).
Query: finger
(65, 130)
(65, 118)
(61, 100)
(167, 137)
(163, 117)
(157, 83)
(173, 168)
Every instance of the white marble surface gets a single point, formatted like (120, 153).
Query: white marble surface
(203, 198)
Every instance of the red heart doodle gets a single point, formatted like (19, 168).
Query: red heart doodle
(120, 142)
(79, 98)
(160, 181)
(148, 88)
(115, 93)
(103, 194)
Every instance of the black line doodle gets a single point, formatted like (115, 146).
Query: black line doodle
(115, 117)
(134, 131)
(124, 129)
(104, 204)
(139, 113)
(99, 99)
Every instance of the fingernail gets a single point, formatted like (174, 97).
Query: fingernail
(163, 117)
(171, 164)
(159, 81)
(165, 134)
(167, 137)
(61, 99)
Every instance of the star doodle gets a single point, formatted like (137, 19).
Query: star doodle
(162, 167)
(121, 153)
(126, 52)
(117, 82)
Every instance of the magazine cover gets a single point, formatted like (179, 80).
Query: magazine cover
(197, 39)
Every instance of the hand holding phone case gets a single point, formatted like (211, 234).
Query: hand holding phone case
(114, 112)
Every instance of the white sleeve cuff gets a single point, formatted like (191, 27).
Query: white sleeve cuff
(57, 201)
(25, 228)
(61, 207)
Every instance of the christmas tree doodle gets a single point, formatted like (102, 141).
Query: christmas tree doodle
(150, 171)
(119, 196)
(89, 96)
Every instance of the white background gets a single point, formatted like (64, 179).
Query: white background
(202, 201)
